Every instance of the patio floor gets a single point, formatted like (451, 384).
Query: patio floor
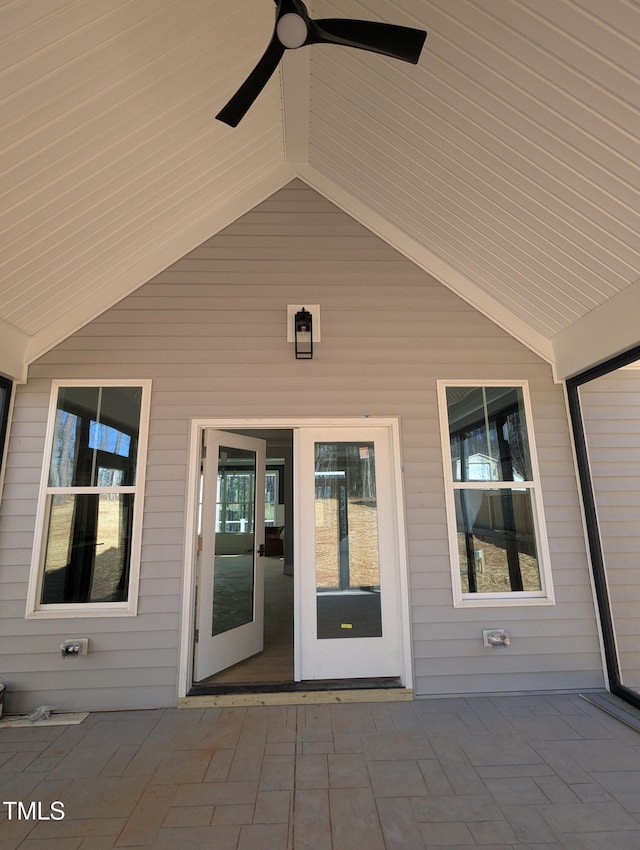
(540, 772)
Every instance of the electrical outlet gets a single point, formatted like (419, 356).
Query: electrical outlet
(495, 637)
(72, 647)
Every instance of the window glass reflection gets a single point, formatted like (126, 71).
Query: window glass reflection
(488, 433)
(496, 541)
(95, 438)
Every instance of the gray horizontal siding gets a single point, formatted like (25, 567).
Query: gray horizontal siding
(211, 333)
(611, 411)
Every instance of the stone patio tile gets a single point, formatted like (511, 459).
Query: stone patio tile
(347, 771)
(103, 797)
(588, 817)
(475, 726)
(311, 747)
(69, 843)
(601, 755)
(280, 735)
(516, 791)
(196, 838)
(284, 748)
(272, 807)
(528, 824)
(249, 750)
(267, 717)
(435, 777)
(79, 828)
(312, 771)
(262, 836)
(392, 785)
(446, 835)
(499, 749)
(14, 832)
(145, 762)
(622, 785)
(461, 774)
(492, 833)
(591, 792)
(215, 794)
(596, 728)
(308, 734)
(101, 842)
(188, 816)
(219, 766)
(19, 761)
(561, 763)
(545, 728)
(399, 826)
(311, 821)
(229, 815)
(354, 820)
(353, 718)
(347, 742)
(506, 771)
(18, 786)
(120, 760)
(277, 773)
(556, 790)
(396, 779)
(147, 816)
(616, 840)
(456, 809)
(43, 764)
(181, 766)
(84, 761)
(396, 744)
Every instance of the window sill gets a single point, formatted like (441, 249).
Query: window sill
(80, 611)
(511, 601)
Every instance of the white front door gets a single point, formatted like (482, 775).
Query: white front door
(350, 612)
(230, 592)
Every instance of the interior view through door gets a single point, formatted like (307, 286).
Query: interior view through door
(349, 556)
(338, 621)
(245, 562)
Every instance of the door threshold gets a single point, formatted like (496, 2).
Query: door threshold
(297, 697)
(316, 691)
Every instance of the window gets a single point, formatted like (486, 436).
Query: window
(496, 524)
(91, 500)
(5, 402)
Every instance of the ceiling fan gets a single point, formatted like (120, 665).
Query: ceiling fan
(295, 28)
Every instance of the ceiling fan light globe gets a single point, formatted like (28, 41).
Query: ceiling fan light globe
(292, 31)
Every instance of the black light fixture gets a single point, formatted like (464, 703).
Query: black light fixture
(304, 335)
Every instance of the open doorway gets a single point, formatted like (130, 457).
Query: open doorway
(272, 666)
(296, 575)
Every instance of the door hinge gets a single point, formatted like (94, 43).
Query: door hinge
(197, 635)
(203, 456)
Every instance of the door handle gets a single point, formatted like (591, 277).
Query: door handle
(261, 550)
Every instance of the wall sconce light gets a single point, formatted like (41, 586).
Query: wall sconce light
(303, 335)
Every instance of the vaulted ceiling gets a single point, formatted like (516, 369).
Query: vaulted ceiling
(506, 163)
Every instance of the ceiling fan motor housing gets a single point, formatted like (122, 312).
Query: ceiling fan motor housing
(292, 31)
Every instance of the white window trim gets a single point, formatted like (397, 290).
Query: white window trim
(545, 596)
(35, 609)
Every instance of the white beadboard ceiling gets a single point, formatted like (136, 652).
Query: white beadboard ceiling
(506, 163)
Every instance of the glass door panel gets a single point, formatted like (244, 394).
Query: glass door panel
(346, 541)
(350, 621)
(234, 579)
(230, 593)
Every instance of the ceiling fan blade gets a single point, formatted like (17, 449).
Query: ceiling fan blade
(233, 112)
(399, 42)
